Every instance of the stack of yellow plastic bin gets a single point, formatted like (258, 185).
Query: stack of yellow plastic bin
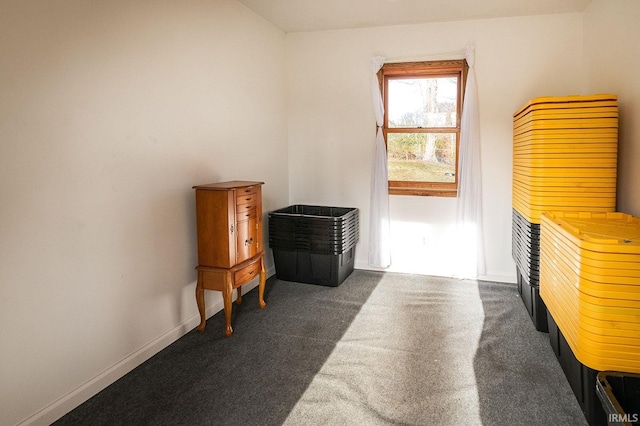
(590, 283)
(564, 159)
(565, 155)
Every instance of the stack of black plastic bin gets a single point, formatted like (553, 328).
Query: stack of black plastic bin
(525, 249)
(314, 244)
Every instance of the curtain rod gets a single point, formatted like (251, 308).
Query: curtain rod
(460, 54)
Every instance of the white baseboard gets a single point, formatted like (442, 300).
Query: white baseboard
(82, 393)
(511, 279)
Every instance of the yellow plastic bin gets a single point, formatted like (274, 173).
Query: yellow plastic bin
(596, 307)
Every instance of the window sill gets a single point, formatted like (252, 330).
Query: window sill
(431, 192)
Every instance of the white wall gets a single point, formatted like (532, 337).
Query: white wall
(331, 123)
(110, 112)
(612, 46)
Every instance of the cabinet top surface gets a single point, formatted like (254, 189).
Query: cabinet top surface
(223, 186)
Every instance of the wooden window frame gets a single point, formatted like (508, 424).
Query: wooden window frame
(430, 69)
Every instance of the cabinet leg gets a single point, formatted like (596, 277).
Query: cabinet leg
(263, 279)
(239, 298)
(200, 303)
(227, 295)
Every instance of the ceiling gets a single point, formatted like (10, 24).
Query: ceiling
(319, 15)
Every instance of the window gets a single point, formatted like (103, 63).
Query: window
(423, 105)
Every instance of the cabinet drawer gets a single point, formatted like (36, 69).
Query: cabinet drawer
(243, 199)
(247, 274)
(246, 214)
(244, 208)
(249, 191)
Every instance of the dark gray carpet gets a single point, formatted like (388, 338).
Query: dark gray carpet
(388, 349)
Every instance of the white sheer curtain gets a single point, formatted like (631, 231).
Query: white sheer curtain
(470, 241)
(379, 229)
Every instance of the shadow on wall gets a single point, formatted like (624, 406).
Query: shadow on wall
(518, 377)
(254, 377)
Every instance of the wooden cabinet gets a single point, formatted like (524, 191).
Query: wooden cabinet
(230, 250)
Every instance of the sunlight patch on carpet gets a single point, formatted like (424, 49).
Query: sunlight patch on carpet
(407, 358)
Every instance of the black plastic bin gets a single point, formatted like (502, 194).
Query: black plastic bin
(581, 378)
(619, 394)
(525, 249)
(314, 244)
(313, 268)
(534, 304)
